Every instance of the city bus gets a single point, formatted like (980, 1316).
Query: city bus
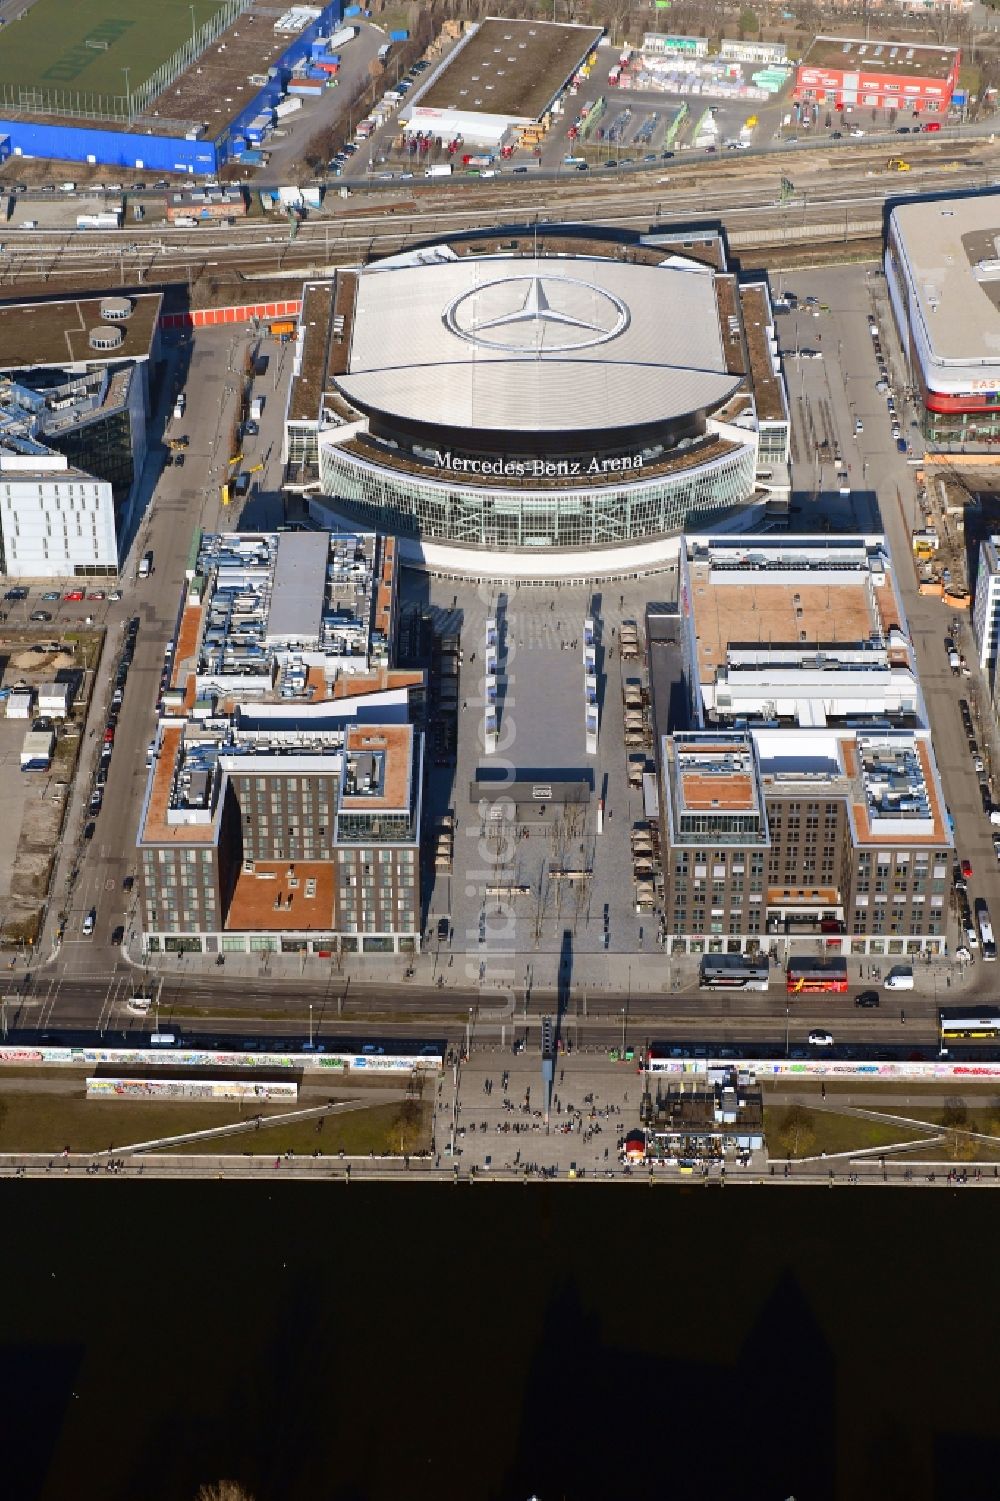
(807, 976)
(964, 1025)
(734, 972)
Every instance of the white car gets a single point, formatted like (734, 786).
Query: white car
(89, 923)
(821, 1039)
(859, 426)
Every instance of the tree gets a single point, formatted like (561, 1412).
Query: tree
(796, 1134)
(223, 1490)
(748, 21)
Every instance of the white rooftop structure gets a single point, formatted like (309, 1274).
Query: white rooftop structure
(943, 265)
(506, 344)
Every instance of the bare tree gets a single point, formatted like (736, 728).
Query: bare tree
(223, 1490)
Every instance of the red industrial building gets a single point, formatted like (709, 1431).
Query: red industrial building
(846, 72)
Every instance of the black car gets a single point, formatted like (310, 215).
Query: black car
(444, 928)
(867, 999)
(838, 135)
(118, 936)
(902, 130)
(16, 594)
(88, 832)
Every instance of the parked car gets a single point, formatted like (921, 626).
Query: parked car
(41, 615)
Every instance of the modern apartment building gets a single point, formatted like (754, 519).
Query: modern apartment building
(804, 808)
(282, 808)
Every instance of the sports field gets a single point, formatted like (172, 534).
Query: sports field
(64, 46)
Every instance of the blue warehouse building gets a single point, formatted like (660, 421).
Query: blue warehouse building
(156, 143)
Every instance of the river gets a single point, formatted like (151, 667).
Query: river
(572, 1340)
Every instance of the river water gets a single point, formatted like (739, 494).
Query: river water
(571, 1340)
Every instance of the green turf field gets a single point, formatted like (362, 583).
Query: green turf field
(48, 49)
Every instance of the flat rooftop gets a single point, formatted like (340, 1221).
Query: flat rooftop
(942, 243)
(513, 68)
(855, 54)
(298, 593)
(889, 780)
(314, 334)
(783, 605)
(56, 333)
(758, 328)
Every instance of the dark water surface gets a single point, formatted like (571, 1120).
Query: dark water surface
(576, 1341)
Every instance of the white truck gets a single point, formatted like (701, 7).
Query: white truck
(179, 405)
(342, 37)
(289, 106)
(442, 169)
(257, 408)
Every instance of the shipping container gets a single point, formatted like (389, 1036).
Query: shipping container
(288, 107)
(399, 36)
(345, 35)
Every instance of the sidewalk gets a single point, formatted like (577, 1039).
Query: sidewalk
(495, 974)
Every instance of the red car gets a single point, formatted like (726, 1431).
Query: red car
(109, 736)
(967, 868)
(97, 594)
(73, 595)
(932, 125)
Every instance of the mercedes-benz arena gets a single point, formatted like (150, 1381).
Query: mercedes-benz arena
(942, 266)
(514, 398)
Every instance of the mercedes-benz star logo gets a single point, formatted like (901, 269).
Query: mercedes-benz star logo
(537, 314)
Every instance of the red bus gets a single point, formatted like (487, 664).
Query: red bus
(807, 976)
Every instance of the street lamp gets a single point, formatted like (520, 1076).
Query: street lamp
(128, 95)
(310, 1025)
(194, 41)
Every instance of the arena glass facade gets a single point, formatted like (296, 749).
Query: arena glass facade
(589, 516)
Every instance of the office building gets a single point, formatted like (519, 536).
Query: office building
(282, 807)
(801, 802)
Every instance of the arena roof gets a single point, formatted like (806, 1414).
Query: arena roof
(508, 343)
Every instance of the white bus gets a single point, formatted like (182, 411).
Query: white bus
(734, 972)
(985, 931)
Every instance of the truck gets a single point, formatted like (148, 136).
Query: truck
(383, 51)
(146, 565)
(257, 408)
(343, 36)
(441, 169)
(103, 220)
(179, 405)
(287, 107)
